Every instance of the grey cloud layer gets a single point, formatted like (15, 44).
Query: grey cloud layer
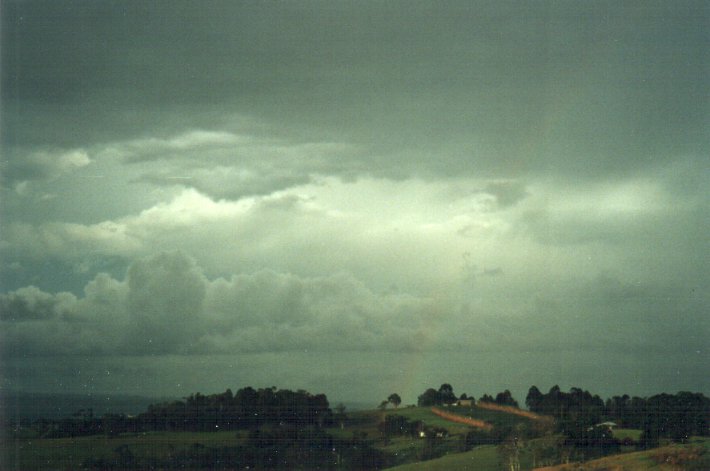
(578, 89)
(24, 167)
(166, 305)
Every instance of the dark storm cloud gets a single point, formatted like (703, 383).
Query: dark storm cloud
(30, 303)
(624, 317)
(227, 182)
(39, 165)
(502, 89)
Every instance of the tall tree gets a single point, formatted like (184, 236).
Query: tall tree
(505, 398)
(394, 399)
(430, 397)
(534, 399)
(487, 398)
(446, 394)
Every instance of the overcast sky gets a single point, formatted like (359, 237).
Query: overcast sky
(355, 198)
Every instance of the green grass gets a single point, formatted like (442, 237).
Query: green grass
(486, 458)
(694, 455)
(497, 418)
(429, 418)
(337, 432)
(632, 433)
(406, 449)
(483, 458)
(403, 449)
(369, 419)
(70, 453)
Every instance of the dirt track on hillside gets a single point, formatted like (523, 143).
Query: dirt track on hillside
(462, 420)
(512, 410)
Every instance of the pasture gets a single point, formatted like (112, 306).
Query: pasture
(70, 453)
(694, 455)
(482, 458)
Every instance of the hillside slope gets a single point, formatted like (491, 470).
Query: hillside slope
(691, 456)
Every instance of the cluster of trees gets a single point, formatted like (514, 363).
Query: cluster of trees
(247, 409)
(432, 397)
(577, 408)
(673, 416)
(504, 398)
(578, 414)
(663, 415)
(445, 395)
(393, 399)
(394, 424)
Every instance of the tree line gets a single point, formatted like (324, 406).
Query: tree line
(247, 409)
(671, 416)
(445, 395)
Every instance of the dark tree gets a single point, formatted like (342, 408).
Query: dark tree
(676, 417)
(617, 408)
(430, 397)
(394, 399)
(534, 399)
(247, 409)
(505, 398)
(487, 398)
(446, 394)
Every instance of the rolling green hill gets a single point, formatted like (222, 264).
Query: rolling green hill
(70, 453)
(402, 451)
(694, 455)
(482, 458)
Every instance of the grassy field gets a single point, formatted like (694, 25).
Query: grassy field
(694, 455)
(429, 418)
(497, 418)
(483, 458)
(70, 453)
(367, 421)
(404, 449)
(622, 433)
